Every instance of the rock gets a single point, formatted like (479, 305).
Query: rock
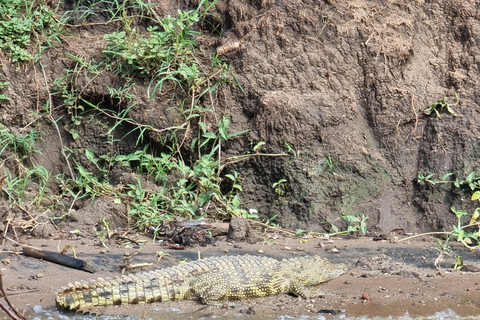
(240, 230)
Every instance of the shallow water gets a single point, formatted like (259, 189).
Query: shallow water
(39, 313)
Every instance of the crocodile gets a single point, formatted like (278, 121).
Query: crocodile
(208, 280)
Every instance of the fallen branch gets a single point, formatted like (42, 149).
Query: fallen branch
(55, 257)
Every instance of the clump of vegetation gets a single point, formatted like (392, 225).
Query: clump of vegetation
(187, 190)
(180, 187)
(280, 187)
(439, 105)
(167, 54)
(467, 229)
(2, 96)
(23, 20)
(357, 223)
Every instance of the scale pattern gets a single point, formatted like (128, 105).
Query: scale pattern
(207, 280)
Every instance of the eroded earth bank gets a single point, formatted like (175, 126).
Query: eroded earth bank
(118, 117)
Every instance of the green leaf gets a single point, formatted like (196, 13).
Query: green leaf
(456, 183)
(202, 126)
(209, 135)
(258, 146)
(334, 227)
(90, 155)
(237, 133)
(476, 195)
(350, 218)
(363, 228)
(351, 229)
(475, 215)
(470, 177)
(223, 133)
(447, 175)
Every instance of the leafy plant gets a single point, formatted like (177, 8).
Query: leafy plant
(291, 150)
(331, 164)
(466, 233)
(357, 223)
(471, 181)
(2, 96)
(280, 187)
(104, 233)
(428, 178)
(468, 239)
(439, 105)
(167, 54)
(22, 20)
(110, 10)
(22, 144)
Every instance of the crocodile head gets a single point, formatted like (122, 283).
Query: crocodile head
(313, 270)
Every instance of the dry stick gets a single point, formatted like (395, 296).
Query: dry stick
(37, 85)
(12, 312)
(55, 257)
(44, 296)
(146, 126)
(188, 126)
(274, 228)
(424, 234)
(9, 312)
(412, 96)
(440, 232)
(236, 159)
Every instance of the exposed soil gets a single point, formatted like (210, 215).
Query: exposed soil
(384, 278)
(339, 81)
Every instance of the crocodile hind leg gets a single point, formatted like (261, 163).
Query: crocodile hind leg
(300, 290)
(210, 288)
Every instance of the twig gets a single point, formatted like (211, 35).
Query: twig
(271, 227)
(146, 126)
(43, 297)
(412, 96)
(12, 312)
(235, 159)
(423, 235)
(440, 232)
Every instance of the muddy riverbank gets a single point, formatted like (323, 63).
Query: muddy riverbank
(384, 278)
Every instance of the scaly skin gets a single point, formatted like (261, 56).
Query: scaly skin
(207, 280)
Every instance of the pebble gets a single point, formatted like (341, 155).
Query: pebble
(335, 250)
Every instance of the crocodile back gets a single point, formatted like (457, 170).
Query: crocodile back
(170, 284)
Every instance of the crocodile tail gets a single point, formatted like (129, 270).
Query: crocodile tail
(132, 289)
